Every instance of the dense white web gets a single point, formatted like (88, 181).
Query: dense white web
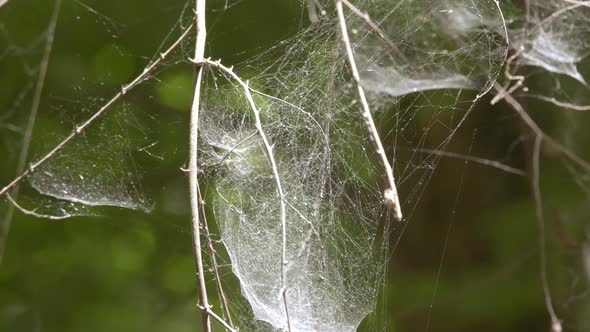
(556, 37)
(333, 184)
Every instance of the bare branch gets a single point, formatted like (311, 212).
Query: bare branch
(270, 155)
(33, 213)
(201, 32)
(390, 194)
(376, 28)
(574, 107)
(508, 74)
(539, 132)
(555, 323)
(211, 313)
(227, 321)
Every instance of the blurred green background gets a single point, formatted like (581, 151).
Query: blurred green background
(468, 260)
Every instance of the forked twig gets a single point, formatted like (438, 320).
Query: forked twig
(539, 132)
(201, 33)
(217, 318)
(82, 126)
(269, 151)
(540, 136)
(28, 134)
(519, 79)
(390, 194)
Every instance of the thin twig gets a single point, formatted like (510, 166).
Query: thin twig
(33, 213)
(227, 321)
(201, 33)
(508, 74)
(539, 132)
(555, 323)
(82, 126)
(275, 170)
(563, 104)
(365, 16)
(28, 134)
(390, 194)
(554, 15)
(478, 160)
(217, 318)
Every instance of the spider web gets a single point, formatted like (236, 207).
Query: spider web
(337, 224)
(423, 77)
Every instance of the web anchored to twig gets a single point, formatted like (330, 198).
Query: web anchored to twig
(390, 194)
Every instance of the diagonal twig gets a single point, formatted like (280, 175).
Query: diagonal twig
(82, 126)
(390, 194)
(539, 132)
(365, 16)
(226, 319)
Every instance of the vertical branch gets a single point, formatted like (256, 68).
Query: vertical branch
(268, 148)
(390, 194)
(555, 323)
(540, 136)
(26, 142)
(201, 32)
